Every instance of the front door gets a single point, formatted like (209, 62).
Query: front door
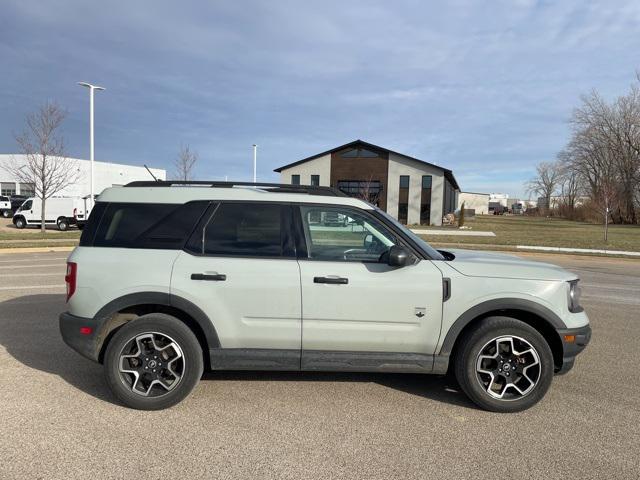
(240, 269)
(354, 302)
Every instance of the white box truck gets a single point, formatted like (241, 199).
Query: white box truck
(5, 206)
(61, 212)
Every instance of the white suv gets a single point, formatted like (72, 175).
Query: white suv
(171, 278)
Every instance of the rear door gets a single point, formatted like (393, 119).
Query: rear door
(240, 268)
(353, 301)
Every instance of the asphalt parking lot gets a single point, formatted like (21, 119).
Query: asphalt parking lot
(58, 420)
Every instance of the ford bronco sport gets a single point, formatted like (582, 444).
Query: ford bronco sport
(171, 278)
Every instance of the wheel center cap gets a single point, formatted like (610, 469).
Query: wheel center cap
(506, 367)
(152, 364)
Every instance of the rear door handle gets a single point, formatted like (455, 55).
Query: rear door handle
(332, 280)
(218, 277)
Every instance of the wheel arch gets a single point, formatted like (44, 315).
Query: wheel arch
(539, 317)
(129, 307)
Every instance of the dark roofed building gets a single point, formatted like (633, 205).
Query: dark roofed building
(411, 190)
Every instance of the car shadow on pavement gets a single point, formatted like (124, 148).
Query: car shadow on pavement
(433, 387)
(29, 332)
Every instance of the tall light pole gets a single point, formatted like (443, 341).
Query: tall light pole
(255, 162)
(91, 90)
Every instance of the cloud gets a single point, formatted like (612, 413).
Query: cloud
(465, 85)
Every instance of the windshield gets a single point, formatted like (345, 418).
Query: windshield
(432, 252)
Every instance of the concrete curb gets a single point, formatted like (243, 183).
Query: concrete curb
(453, 233)
(579, 250)
(34, 249)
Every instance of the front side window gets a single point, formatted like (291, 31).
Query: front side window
(27, 205)
(242, 229)
(340, 234)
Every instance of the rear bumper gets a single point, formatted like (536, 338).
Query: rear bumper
(83, 343)
(571, 349)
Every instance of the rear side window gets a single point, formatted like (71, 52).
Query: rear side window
(142, 225)
(244, 229)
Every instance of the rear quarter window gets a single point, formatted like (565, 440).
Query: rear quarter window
(142, 225)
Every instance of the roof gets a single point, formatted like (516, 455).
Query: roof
(447, 173)
(165, 193)
(476, 193)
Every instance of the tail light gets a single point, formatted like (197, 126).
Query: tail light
(70, 278)
(75, 213)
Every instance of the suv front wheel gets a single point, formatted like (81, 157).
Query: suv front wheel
(153, 362)
(504, 365)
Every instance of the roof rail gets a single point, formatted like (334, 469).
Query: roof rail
(268, 187)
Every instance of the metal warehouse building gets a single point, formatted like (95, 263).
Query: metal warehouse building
(105, 175)
(411, 190)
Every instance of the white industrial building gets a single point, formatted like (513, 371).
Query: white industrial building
(474, 201)
(105, 175)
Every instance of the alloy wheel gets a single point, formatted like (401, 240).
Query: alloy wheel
(151, 364)
(508, 367)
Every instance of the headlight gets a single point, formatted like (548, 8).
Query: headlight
(574, 296)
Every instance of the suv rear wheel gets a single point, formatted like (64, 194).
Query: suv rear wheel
(504, 365)
(153, 362)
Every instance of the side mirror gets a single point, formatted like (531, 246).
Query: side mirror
(398, 257)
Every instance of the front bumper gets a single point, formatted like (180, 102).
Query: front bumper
(571, 349)
(83, 343)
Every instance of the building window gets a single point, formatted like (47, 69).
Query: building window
(403, 199)
(425, 200)
(359, 153)
(368, 190)
(295, 179)
(7, 188)
(27, 189)
(315, 180)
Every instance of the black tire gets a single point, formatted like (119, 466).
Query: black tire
(163, 325)
(19, 222)
(6, 213)
(481, 338)
(63, 224)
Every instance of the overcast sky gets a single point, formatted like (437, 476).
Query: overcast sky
(483, 88)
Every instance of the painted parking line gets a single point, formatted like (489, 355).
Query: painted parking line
(37, 274)
(33, 259)
(8, 267)
(34, 287)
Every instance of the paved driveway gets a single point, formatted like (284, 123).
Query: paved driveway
(58, 420)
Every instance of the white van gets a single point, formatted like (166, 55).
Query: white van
(61, 212)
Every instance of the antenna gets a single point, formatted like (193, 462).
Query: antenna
(154, 177)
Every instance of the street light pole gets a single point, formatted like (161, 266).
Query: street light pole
(255, 162)
(91, 148)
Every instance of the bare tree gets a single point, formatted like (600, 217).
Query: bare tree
(44, 163)
(370, 191)
(185, 162)
(545, 183)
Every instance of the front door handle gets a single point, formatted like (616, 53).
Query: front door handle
(218, 277)
(332, 280)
